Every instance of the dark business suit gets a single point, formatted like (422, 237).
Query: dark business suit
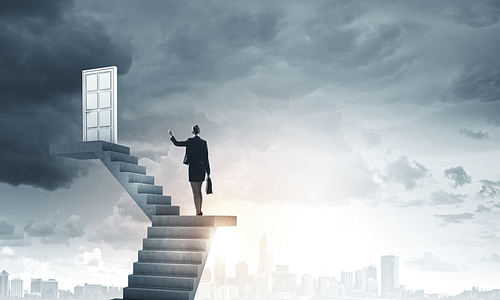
(196, 157)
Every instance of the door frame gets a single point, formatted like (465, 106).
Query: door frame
(114, 98)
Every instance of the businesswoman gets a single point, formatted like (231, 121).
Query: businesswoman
(197, 159)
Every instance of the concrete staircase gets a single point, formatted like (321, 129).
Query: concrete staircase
(173, 257)
(126, 170)
(176, 248)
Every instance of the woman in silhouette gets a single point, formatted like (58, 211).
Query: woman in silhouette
(196, 158)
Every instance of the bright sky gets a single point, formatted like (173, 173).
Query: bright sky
(343, 130)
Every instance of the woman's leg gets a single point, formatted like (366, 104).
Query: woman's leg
(198, 198)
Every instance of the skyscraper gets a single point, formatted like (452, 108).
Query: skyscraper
(263, 263)
(16, 287)
(308, 286)
(389, 273)
(347, 281)
(327, 287)
(283, 280)
(371, 272)
(220, 270)
(241, 277)
(371, 281)
(360, 280)
(50, 288)
(36, 286)
(4, 284)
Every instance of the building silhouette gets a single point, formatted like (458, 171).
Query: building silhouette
(4, 284)
(360, 281)
(346, 279)
(49, 288)
(263, 263)
(308, 285)
(220, 270)
(283, 280)
(16, 288)
(36, 286)
(241, 278)
(371, 272)
(328, 287)
(389, 275)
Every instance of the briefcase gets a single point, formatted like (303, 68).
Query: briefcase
(208, 186)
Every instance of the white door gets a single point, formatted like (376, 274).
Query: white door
(99, 95)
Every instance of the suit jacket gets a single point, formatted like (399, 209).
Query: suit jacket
(196, 151)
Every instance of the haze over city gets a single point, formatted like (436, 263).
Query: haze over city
(343, 130)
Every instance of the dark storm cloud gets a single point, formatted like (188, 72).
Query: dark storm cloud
(280, 57)
(474, 135)
(404, 172)
(478, 14)
(480, 81)
(430, 262)
(43, 48)
(458, 176)
(6, 228)
(334, 51)
(40, 230)
(73, 227)
(455, 218)
(477, 76)
(444, 198)
(48, 11)
(213, 48)
(52, 232)
(489, 189)
(9, 236)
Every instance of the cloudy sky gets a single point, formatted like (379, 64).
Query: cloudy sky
(344, 130)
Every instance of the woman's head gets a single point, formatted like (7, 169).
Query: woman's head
(196, 129)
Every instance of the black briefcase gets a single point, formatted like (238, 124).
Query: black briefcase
(208, 186)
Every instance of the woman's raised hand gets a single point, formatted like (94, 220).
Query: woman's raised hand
(170, 132)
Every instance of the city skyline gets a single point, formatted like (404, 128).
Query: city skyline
(358, 283)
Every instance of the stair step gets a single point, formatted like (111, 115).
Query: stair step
(168, 210)
(179, 232)
(182, 257)
(126, 167)
(174, 244)
(148, 293)
(140, 178)
(161, 281)
(158, 199)
(106, 146)
(148, 188)
(166, 269)
(194, 221)
(117, 156)
(187, 221)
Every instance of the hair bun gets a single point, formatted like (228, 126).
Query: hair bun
(196, 129)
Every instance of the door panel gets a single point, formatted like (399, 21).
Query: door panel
(92, 119)
(105, 118)
(91, 82)
(91, 101)
(104, 100)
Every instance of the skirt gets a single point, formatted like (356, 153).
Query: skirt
(196, 173)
